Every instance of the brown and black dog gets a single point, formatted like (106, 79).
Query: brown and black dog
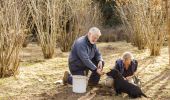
(121, 85)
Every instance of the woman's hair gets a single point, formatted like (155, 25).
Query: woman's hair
(127, 55)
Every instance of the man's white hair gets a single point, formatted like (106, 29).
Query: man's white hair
(127, 55)
(94, 30)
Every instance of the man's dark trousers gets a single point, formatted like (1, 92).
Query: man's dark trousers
(94, 77)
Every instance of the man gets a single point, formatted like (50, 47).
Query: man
(85, 56)
(127, 66)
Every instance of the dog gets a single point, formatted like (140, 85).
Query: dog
(123, 86)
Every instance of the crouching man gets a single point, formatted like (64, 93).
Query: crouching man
(85, 56)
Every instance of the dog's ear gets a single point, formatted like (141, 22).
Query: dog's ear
(114, 73)
(119, 74)
(108, 73)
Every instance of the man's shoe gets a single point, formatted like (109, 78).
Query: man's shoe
(65, 77)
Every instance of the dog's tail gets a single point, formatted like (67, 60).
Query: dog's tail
(144, 95)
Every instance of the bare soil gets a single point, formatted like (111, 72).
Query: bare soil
(37, 77)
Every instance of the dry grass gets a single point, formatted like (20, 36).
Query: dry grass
(36, 81)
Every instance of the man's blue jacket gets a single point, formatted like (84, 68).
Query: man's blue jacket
(83, 54)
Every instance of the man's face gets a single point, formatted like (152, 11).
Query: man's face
(93, 37)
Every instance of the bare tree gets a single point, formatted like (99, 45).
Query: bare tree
(130, 19)
(146, 20)
(64, 19)
(13, 19)
(46, 17)
(77, 17)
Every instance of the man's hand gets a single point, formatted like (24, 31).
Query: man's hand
(100, 65)
(99, 71)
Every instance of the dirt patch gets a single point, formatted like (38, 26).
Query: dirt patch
(36, 80)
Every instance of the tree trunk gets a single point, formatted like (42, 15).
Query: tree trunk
(168, 25)
(154, 52)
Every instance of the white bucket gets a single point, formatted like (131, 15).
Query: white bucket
(79, 83)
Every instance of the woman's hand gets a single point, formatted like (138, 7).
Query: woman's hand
(129, 77)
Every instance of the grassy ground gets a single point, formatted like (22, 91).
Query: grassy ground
(36, 80)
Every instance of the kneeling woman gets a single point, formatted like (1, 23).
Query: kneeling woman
(127, 66)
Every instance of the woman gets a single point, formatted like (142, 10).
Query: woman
(127, 66)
